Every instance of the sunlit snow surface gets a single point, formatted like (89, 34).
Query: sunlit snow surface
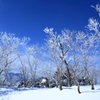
(50, 94)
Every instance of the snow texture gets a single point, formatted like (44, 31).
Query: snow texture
(50, 94)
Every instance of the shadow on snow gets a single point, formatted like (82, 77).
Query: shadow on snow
(92, 91)
(6, 90)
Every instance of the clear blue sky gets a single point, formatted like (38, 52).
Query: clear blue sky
(29, 17)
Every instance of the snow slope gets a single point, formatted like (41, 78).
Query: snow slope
(50, 94)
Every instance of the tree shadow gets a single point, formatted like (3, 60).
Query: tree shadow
(92, 91)
(67, 88)
(98, 89)
(6, 90)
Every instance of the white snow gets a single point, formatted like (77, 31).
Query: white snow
(50, 94)
(43, 80)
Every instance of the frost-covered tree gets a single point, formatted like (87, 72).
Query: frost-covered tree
(93, 24)
(9, 47)
(23, 72)
(77, 47)
(33, 53)
(30, 64)
(60, 46)
(88, 52)
(94, 28)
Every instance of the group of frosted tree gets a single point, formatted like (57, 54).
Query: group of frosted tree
(70, 55)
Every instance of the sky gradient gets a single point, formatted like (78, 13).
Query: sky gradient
(29, 17)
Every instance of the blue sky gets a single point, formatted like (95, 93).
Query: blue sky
(29, 17)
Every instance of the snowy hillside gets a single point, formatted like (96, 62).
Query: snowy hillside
(50, 94)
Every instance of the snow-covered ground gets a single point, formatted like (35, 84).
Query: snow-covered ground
(50, 94)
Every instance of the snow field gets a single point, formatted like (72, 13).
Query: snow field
(55, 94)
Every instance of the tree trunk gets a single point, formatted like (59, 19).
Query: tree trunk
(3, 82)
(69, 77)
(69, 81)
(78, 89)
(92, 85)
(60, 86)
(68, 74)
